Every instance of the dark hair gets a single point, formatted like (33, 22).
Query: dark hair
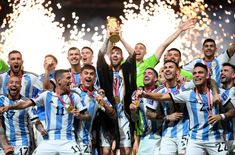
(209, 40)
(14, 52)
(155, 72)
(59, 73)
(88, 66)
(172, 62)
(174, 49)
(230, 65)
(200, 65)
(53, 57)
(86, 47)
(142, 45)
(72, 48)
(116, 48)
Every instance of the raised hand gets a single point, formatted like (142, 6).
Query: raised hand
(188, 24)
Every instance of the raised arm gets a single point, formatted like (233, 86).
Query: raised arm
(181, 28)
(107, 45)
(157, 96)
(19, 105)
(129, 49)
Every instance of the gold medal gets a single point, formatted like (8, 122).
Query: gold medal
(137, 103)
(117, 100)
(70, 108)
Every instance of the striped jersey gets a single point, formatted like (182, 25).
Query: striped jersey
(18, 122)
(28, 80)
(150, 128)
(179, 128)
(230, 133)
(84, 127)
(214, 67)
(199, 111)
(59, 121)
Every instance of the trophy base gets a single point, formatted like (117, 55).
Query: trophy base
(114, 38)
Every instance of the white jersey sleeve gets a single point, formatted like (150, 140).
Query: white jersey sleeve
(40, 98)
(223, 57)
(189, 67)
(77, 102)
(182, 97)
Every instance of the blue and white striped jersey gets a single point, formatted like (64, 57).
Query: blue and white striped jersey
(199, 112)
(59, 121)
(17, 123)
(84, 127)
(214, 67)
(230, 133)
(28, 89)
(151, 128)
(180, 127)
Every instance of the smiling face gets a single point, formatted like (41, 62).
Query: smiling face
(209, 49)
(64, 82)
(227, 75)
(140, 51)
(150, 77)
(170, 70)
(74, 56)
(88, 77)
(14, 86)
(199, 76)
(15, 61)
(87, 56)
(174, 55)
(116, 57)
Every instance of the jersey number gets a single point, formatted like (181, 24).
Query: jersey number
(60, 110)
(221, 147)
(23, 151)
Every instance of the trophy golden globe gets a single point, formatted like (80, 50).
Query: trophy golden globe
(112, 25)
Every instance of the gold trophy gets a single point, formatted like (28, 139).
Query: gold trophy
(112, 24)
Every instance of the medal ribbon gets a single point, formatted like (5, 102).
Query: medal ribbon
(62, 101)
(208, 100)
(116, 83)
(90, 93)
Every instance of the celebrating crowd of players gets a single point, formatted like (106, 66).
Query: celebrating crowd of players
(125, 107)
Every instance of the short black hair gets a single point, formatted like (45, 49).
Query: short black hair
(208, 40)
(53, 57)
(14, 52)
(174, 49)
(86, 47)
(200, 65)
(155, 72)
(59, 73)
(88, 66)
(172, 62)
(230, 65)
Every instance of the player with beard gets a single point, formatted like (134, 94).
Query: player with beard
(119, 82)
(93, 101)
(17, 122)
(60, 108)
(214, 64)
(227, 78)
(206, 133)
(28, 80)
(147, 132)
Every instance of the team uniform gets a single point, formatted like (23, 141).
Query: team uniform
(28, 81)
(202, 136)
(149, 130)
(141, 67)
(83, 130)
(174, 133)
(59, 123)
(214, 67)
(230, 132)
(17, 126)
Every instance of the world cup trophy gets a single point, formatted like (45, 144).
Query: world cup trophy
(112, 24)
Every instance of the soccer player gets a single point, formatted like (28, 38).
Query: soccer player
(17, 122)
(214, 64)
(93, 102)
(3, 66)
(119, 82)
(147, 132)
(140, 50)
(28, 80)
(87, 55)
(5, 148)
(60, 108)
(227, 78)
(206, 133)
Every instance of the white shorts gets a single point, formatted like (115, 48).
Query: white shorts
(172, 146)
(37, 135)
(61, 147)
(2, 151)
(149, 146)
(22, 150)
(125, 132)
(212, 148)
(85, 149)
(103, 141)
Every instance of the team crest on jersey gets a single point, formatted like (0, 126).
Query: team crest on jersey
(224, 96)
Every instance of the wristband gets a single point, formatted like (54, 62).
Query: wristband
(222, 116)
